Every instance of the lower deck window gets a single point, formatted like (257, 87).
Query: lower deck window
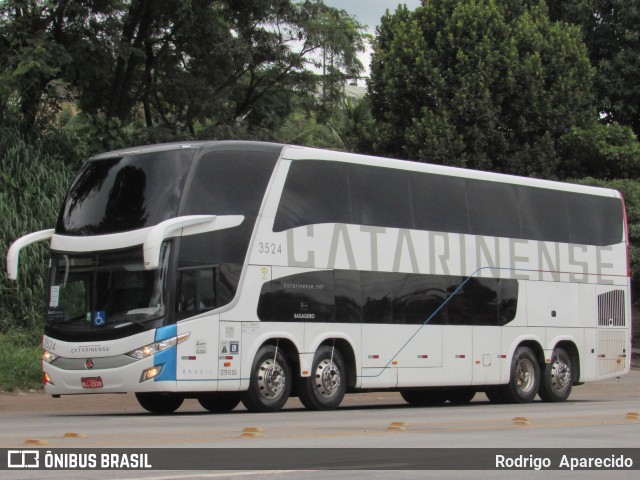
(346, 296)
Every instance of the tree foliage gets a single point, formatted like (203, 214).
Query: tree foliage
(611, 31)
(605, 151)
(489, 84)
(182, 65)
(33, 182)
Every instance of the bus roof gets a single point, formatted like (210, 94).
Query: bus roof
(294, 152)
(194, 145)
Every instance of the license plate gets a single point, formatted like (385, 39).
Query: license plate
(91, 382)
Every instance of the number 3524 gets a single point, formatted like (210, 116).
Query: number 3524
(273, 248)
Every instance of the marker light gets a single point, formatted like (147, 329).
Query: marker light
(48, 357)
(150, 373)
(46, 379)
(153, 348)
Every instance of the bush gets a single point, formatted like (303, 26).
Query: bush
(33, 182)
(20, 360)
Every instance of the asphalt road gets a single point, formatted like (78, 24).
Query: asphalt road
(598, 415)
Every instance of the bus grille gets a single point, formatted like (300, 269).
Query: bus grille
(611, 309)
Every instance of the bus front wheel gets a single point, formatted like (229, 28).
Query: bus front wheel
(461, 396)
(270, 383)
(325, 388)
(421, 398)
(557, 378)
(159, 403)
(219, 402)
(524, 379)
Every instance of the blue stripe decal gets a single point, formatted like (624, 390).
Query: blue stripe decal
(163, 333)
(167, 358)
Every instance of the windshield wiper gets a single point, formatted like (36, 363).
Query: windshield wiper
(125, 323)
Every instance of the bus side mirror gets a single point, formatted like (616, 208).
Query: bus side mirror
(190, 225)
(14, 250)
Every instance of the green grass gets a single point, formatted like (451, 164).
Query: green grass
(20, 367)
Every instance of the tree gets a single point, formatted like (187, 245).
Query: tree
(489, 84)
(208, 62)
(30, 56)
(181, 65)
(611, 31)
(604, 151)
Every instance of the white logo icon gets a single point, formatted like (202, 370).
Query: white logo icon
(23, 459)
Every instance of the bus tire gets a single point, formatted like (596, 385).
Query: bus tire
(557, 379)
(524, 379)
(327, 385)
(422, 398)
(461, 396)
(159, 403)
(270, 384)
(494, 395)
(219, 402)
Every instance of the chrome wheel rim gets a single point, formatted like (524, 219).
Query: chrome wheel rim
(525, 375)
(327, 378)
(560, 375)
(271, 379)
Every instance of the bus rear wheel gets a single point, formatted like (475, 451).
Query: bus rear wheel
(421, 398)
(494, 394)
(325, 388)
(159, 403)
(557, 378)
(219, 402)
(524, 379)
(461, 396)
(270, 384)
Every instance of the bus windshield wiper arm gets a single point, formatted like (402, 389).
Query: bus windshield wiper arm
(124, 323)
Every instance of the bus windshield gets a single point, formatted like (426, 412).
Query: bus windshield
(120, 194)
(105, 292)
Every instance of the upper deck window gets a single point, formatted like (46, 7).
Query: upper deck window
(125, 193)
(318, 191)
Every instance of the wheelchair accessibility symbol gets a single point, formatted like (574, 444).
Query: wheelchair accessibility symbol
(99, 318)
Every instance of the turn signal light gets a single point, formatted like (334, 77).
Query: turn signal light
(150, 373)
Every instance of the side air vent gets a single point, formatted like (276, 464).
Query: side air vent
(611, 309)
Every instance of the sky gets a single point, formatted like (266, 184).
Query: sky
(369, 12)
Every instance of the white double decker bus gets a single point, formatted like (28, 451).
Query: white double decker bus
(245, 271)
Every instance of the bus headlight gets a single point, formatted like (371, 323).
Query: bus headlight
(48, 357)
(153, 348)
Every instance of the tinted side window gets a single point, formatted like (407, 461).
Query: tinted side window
(230, 183)
(315, 192)
(383, 297)
(378, 289)
(544, 215)
(493, 209)
(221, 252)
(508, 301)
(306, 297)
(332, 192)
(225, 183)
(479, 300)
(418, 298)
(347, 296)
(595, 220)
(439, 203)
(380, 196)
